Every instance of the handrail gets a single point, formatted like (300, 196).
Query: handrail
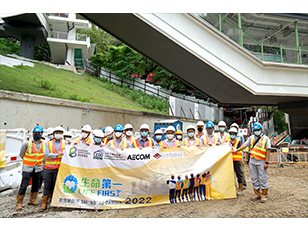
(281, 47)
(155, 91)
(68, 36)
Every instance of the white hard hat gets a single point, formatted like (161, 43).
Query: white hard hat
(144, 126)
(158, 131)
(200, 123)
(233, 129)
(170, 128)
(58, 129)
(67, 133)
(128, 126)
(190, 127)
(98, 133)
(86, 128)
(222, 123)
(235, 125)
(108, 130)
(50, 130)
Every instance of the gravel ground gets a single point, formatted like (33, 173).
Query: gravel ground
(288, 197)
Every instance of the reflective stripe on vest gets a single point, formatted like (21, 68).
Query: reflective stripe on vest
(163, 144)
(237, 156)
(185, 183)
(206, 140)
(149, 143)
(225, 139)
(259, 150)
(197, 182)
(54, 163)
(202, 182)
(123, 143)
(33, 157)
(134, 142)
(88, 140)
(187, 142)
(178, 185)
(174, 143)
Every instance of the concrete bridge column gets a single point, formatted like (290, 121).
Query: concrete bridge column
(27, 46)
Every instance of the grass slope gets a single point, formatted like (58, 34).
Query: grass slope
(49, 81)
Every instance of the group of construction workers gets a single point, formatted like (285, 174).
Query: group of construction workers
(42, 155)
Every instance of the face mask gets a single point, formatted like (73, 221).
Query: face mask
(191, 134)
(179, 137)
(110, 136)
(257, 133)
(58, 136)
(84, 134)
(170, 136)
(118, 134)
(210, 130)
(158, 137)
(37, 137)
(144, 134)
(222, 129)
(68, 139)
(129, 133)
(50, 137)
(97, 140)
(232, 137)
(200, 129)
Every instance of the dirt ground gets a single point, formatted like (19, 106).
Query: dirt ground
(288, 198)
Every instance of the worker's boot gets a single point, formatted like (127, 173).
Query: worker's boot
(264, 195)
(240, 189)
(257, 195)
(20, 199)
(44, 203)
(33, 200)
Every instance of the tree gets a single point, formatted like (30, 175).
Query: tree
(126, 62)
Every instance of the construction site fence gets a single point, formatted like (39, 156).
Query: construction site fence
(286, 156)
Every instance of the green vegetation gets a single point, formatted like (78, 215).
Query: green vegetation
(49, 81)
(8, 46)
(125, 62)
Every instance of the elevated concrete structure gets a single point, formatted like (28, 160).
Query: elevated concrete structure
(58, 30)
(207, 60)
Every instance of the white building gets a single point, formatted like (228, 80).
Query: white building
(58, 29)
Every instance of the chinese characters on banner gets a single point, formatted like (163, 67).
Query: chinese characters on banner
(91, 177)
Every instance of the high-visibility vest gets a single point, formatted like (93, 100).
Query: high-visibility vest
(54, 163)
(188, 144)
(185, 183)
(237, 156)
(217, 138)
(174, 143)
(202, 182)
(163, 143)
(197, 182)
(123, 143)
(196, 135)
(88, 140)
(178, 185)
(33, 157)
(206, 139)
(259, 150)
(149, 143)
(134, 142)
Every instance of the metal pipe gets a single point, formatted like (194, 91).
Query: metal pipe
(240, 29)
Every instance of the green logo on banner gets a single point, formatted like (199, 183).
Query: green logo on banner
(70, 184)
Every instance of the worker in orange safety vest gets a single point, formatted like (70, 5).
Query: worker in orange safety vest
(237, 158)
(32, 152)
(53, 155)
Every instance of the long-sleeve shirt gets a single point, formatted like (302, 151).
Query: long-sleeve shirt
(22, 152)
(51, 155)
